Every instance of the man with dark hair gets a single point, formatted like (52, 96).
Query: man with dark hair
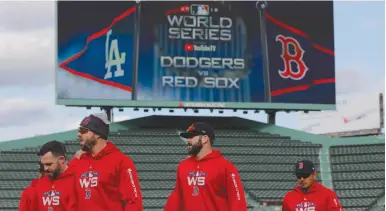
(309, 195)
(56, 190)
(28, 200)
(106, 178)
(205, 180)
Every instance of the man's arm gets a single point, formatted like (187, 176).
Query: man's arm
(74, 161)
(284, 203)
(235, 190)
(174, 200)
(72, 203)
(333, 202)
(129, 188)
(27, 200)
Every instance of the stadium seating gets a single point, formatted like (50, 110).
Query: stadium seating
(358, 173)
(265, 162)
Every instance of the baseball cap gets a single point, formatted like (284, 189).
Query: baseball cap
(304, 168)
(199, 128)
(97, 123)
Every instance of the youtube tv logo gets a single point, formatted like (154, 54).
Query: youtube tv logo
(189, 47)
(192, 47)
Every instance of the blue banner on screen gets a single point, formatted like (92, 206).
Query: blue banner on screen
(189, 51)
(96, 49)
(107, 54)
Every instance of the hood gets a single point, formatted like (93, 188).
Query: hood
(313, 189)
(34, 182)
(213, 155)
(108, 149)
(67, 173)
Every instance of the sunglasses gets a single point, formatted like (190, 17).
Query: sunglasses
(83, 130)
(304, 176)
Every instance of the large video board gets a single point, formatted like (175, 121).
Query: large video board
(196, 54)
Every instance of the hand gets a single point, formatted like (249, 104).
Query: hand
(78, 154)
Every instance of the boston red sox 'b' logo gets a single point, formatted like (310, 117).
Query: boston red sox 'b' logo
(86, 120)
(288, 58)
(300, 165)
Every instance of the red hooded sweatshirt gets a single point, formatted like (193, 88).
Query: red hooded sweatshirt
(318, 198)
(28, 200)
(209, 184)
(58, 194)
(108, 181)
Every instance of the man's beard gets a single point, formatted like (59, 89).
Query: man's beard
(54, 174)
(195, 148)
(90, 143)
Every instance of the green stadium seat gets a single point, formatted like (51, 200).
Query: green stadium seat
(265, 163)
(358, 173)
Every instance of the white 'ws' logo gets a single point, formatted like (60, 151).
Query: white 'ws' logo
(113, 57)
(51, 198)
(196, 178)
(305, 206)
(89, 179)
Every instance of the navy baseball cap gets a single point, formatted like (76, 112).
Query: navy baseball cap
(304, 168)
(199, 128)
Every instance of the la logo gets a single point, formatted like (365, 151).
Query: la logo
(113, 57)
(288, 58)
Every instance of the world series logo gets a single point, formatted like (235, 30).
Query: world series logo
(195, 23)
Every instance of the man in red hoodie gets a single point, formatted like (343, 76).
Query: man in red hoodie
(28, 200)
(106, 178)
(309, 195)
(56, 190)
(205, 181)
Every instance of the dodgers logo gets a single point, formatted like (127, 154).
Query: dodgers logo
(114, 58)
(295, 58)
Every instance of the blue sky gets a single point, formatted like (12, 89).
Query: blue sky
(27, 48)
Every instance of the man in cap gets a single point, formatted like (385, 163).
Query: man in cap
(205, 180)
(309, 195)
(28, 200)
(106, 178)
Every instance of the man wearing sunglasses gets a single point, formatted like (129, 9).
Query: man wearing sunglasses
(309, 195)
(106, 178)
(205, 180)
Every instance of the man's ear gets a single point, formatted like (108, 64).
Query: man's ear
(205, 139)
(62, 159)
(315, 175)
(97, 136)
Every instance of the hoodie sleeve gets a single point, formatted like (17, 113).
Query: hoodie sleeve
(333, 202)
(28, 201)
(174, 200)
(73, 162)
(235, 190)
(72, 203)
(284, 204)
(129, 189)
